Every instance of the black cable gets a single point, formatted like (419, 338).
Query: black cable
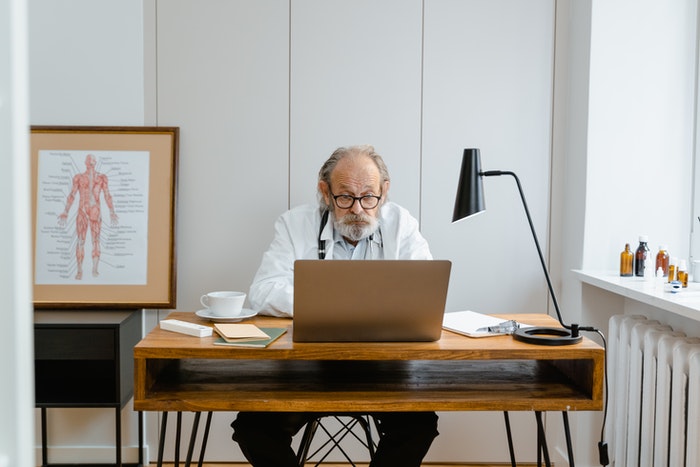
(603, 456)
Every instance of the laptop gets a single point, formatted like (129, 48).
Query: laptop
(369, 300)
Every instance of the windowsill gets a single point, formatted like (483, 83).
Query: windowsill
(685, 303)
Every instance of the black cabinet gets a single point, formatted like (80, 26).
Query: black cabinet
(85, 359)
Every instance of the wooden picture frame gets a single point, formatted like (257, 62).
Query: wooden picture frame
(103, 216)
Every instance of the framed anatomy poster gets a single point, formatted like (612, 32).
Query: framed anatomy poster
(103, 201)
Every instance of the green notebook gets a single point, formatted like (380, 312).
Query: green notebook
(273, 334)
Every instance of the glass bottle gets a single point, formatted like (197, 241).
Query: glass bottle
(627, 262)
(662, 259)
(672, 269)
(641, 256)
(683, 273)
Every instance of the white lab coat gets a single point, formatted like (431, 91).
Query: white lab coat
(296, 237)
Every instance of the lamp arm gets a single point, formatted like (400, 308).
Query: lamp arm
(492, 173)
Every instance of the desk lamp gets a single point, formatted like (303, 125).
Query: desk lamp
(470, 201)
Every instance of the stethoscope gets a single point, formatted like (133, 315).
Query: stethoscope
(322, 243)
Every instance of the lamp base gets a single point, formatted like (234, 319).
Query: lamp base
(546, 336)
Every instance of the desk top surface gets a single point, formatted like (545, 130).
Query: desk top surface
(169, 345)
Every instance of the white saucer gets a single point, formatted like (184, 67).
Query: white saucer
(245, 314)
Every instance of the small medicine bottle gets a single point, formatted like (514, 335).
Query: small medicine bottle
(626, 262)
(683, 273)
(672, 269)
(662, 259)
(641, 256)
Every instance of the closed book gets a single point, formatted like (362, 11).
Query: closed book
(239, 332)
(271, 333)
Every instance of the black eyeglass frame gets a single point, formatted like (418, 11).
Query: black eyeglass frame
(359, 199)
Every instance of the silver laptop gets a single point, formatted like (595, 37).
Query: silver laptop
(369, 300)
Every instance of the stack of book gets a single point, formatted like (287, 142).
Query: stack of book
(246, 335)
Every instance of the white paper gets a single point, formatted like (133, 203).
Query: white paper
(114, 250)
(468, 322)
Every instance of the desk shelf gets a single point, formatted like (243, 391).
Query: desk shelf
(254, 385)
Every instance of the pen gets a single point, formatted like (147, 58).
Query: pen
(506, 327)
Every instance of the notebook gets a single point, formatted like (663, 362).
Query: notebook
(369, 300)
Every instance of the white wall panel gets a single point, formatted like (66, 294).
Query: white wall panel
(86, 62)
(223, 79)
(86, 68)
(488, 85)
(355, 79)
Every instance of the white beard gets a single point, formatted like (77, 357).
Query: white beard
(355, 227)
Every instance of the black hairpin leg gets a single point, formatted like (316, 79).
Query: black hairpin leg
(161, 444)
(178, 433)
(193, 438)
(567, 432)
(204, 439)
(542, 449)
(510, 440)
(141, 435)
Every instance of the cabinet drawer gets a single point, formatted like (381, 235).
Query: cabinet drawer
(74, 344)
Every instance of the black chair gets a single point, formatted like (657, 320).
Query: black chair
(178, 434)
(336, 427)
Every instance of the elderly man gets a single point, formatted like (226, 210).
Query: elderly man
(354, 221)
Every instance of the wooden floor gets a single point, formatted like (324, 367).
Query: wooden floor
(238, 464)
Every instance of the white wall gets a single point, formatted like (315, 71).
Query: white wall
(86, 62)
(640, 127)
(16, 333)
(623, 147)
(86, 67)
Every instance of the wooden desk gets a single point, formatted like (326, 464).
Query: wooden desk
(175, 372)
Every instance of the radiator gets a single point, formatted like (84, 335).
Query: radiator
(654, 394)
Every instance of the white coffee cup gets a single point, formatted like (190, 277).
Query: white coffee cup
(229, 304)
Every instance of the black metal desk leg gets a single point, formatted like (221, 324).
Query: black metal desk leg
(161, 444)
(541, 441)
(193, 438)
(204, 439)
(567, 432)
(178, 431)
(510, 440)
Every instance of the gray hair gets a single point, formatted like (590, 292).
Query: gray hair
(324, 175)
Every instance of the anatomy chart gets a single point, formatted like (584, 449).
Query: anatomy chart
(92, 217)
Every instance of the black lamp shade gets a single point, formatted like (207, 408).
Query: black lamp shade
(470, 191)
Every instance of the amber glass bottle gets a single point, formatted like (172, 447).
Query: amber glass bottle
(683, 273)
(640, 256)
(673, 269)
(662, 260)
(626, 261)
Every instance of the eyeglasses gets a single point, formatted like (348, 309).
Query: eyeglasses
(347, 201)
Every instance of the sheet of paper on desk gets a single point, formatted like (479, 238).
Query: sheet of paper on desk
(468, 323)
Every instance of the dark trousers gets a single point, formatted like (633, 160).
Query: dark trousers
(266, 437)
